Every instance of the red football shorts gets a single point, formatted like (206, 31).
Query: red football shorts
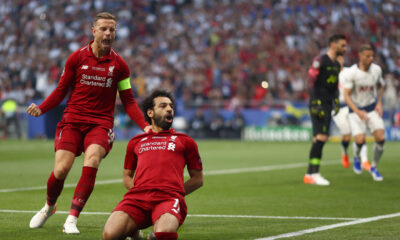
(146, 212)
(76, 137)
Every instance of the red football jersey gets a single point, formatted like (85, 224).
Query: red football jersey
(92, 84)
(159, 160)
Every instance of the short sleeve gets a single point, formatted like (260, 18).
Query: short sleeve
(123, 72)
(380, 78)
(192, 156)
(130, 157)
(346, 79)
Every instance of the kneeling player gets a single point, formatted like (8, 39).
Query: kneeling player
(156, 160)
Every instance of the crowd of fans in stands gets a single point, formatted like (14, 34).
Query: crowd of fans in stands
(213, 53)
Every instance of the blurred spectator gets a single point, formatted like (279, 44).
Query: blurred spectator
(235, 125)
(197, 125)
(216, 125)
(211, 53)
(390, 96)
(9, 118)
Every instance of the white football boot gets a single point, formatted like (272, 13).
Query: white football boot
(315, 179)
(70, 225)
(40, 217)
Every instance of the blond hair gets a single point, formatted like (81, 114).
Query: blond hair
(104, 15)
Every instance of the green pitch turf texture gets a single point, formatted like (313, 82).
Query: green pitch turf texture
(231, 205)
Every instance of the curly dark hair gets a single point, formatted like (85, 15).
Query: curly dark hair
(337, 37)
(148, 102)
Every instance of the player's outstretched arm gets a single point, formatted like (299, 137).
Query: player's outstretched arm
(34, 110)
(132, 109)
(194, 182)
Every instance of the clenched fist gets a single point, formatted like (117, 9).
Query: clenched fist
(34, 110)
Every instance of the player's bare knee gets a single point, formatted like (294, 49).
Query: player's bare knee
(379, 136)
(166, 223)
(346, 137)
(92, 161)
(322, 137)
(108, 235)
(61, 171)
(111, 232)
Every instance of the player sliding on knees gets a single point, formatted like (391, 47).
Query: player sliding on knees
(153, 173)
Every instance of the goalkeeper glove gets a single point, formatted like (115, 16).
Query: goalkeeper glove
(336, 106)
(317, 109)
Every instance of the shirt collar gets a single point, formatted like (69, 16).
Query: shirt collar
(171, 130)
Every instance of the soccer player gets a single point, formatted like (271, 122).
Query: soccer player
(323, 83)
(363, 85)
(92, 76)
(341, 120)
(153, 171)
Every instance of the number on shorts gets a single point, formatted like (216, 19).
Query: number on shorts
(111, 136)
(176, 207)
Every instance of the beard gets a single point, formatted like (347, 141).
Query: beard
(159, 121)
(339, 53)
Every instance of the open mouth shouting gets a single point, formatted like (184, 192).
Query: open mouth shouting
(169, 117)
(106, 43)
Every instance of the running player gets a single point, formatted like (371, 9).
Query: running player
(92, 76)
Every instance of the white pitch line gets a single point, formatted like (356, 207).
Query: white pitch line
(100, 182)
(269, 217)
(332, 226)
(201, 215)
(206, 173)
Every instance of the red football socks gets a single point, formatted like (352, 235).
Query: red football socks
(166, 235)
(83, 190)
(54, 188)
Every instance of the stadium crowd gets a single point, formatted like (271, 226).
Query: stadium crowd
(207, 52)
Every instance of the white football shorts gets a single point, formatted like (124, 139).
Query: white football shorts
(359, 126)
(342, 120)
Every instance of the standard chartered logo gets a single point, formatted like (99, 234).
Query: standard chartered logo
(156, 146)
(97, 81)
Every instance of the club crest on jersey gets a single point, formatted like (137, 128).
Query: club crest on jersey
(171, 146)
(111, 70)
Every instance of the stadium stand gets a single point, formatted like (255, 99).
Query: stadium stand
(212, 54)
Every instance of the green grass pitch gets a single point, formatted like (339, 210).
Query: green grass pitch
(242, 204)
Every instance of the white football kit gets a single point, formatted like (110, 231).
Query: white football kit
(341, 119)
(364, 92)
